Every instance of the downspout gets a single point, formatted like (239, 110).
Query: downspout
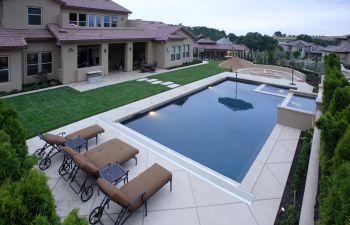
(1, 13)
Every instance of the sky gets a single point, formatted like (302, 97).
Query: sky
(313, 17)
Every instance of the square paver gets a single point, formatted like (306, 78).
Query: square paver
(152, 80)
(173, 85)
(167, 83)
(143, 79)
(156, 82)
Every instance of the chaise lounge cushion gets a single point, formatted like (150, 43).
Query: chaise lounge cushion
(150, 181)
(110, 152)
(71, 152)
(86, 133)
(54, 139)
(114, 193)
(85, 164)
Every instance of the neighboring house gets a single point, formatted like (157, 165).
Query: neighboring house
(66, 39)
(307, 50)
(342, 49)
(208, 49)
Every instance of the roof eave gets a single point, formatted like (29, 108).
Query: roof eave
(95, 9)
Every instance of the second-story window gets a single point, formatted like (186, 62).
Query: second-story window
(95, 21)
(34, 15)
(76, 19)
(107, 21)
(114, 21)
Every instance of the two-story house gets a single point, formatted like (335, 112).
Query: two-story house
(307, 50)
(66, 39)
(342, 49)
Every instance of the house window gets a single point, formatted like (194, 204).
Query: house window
(77, 19)
(186, 51)
(95, 21)
(114, 21)
(82, 20)
(88, 56)
(107, 21)
(34, 16)
(32, 64)
(46, 62)
(39, 62)
(175, 53)
(4, 69)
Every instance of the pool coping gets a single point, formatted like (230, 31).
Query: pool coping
(239, 190)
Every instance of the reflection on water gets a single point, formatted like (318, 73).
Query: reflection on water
(236, 104)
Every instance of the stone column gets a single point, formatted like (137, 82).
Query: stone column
(128, 58)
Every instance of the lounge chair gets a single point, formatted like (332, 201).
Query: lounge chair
(56, 142)
(133, 194)
(92, 161)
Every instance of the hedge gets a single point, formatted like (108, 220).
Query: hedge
(334, 189)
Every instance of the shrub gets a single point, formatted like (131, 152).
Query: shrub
(10, 166)
(335, 206)
(340, 100)
(22, 200)
(74, 219)
(342, 152)
(9, 123)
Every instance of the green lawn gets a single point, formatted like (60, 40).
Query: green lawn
(48, 110)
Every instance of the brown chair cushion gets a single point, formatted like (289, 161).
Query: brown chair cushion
(110, 152)
(86, 133)
(150, 181)
(85, 164)
(69, 151)
(113, 192)
(54, 139)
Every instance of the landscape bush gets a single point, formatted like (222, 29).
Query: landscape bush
(334, 188)
(25, 197)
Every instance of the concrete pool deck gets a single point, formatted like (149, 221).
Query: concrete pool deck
(194, 200)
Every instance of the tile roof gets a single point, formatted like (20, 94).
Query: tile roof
(206, 41)
(14, 38)
(338, 49)
(147, 31)
(105, 5)
(296, 42)
(210, 46)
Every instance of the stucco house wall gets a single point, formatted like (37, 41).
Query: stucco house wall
(15, 70)
(15, 13)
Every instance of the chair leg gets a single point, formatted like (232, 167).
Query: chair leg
(146, 208)
(171, 184)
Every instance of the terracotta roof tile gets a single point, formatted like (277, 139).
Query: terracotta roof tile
(147, 31)
(13, 38)
(105, 5)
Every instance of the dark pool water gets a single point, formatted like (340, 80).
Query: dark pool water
(216, 127)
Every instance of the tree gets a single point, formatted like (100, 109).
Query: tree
(232, 37)
(278, 34)
(257, 41)
(205, 32)
(296, 54)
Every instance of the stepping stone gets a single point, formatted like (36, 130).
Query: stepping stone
(167, 83)
(173, 85)
(152, 80)
(143, 79)
(156, 82)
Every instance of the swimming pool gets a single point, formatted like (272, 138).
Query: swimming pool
(222, 127)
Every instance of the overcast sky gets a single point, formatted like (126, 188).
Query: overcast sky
(314, 17)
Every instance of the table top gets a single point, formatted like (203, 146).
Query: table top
(76, 143)
(113, 172)
(147, 65)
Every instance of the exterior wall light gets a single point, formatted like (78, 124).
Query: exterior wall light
(70, 50)
(130, 48)
(105, 50)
